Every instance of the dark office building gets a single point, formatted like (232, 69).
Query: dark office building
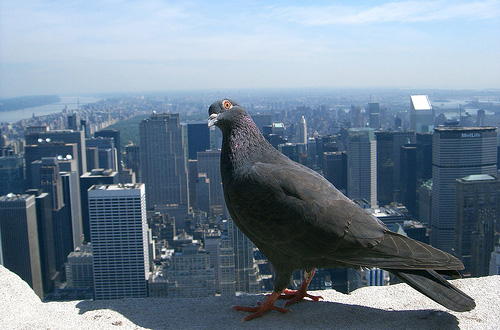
(295, 151)
(95, 177)
(19, 248)
(198, 138)
(11, 175)
(192, 178)
(50, 181)
(115, 135)
(92, 158)
(326, 279)
(106, 151)
(74, 122)
(65, 136)
(424, 157)
(408, 175)
(335, 169)
(133, 160)
(47, 149)
(209, 164)
(477, 221)
(45, 239)
(323, 144)
(72, 200)
(374, 111)
(163, 161)
(262, 120)
(388, 164)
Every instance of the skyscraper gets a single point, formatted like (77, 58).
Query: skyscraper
(106, 151)
(198, 138)
(421, 114)
(335, 169)
(388, 163)
(115, 135)
(246, 271)
(45, 239)
(303, 131)
(133, 160)
(74, 122)
(46, 149)
(362, 165)
(79, 269)
(456, 152)
(11, 174)
(374, 111)
(209, 163)
(163, 161)
(408, 178)
(262, 120)
(19, 246)
(95, 177)
(477, 221)
(424, 158)
(119, 240)
(64, 136)
(51, 182)
(72, 200)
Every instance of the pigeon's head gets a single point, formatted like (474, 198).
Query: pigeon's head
(225, 112)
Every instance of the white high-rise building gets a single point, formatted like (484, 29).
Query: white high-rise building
(303, 131)
(119, 234)
(422, 114)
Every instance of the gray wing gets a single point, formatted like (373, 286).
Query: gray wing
(290, 210)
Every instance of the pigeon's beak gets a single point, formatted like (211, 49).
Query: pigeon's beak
(212, 120)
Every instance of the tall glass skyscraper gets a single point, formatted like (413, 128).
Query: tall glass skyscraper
(163, 160)
(456, 153)
(119, 240)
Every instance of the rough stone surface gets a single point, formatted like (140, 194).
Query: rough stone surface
(393, 307)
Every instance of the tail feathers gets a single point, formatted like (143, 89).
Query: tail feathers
(434, 286)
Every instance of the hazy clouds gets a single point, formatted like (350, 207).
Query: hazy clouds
(79, 47)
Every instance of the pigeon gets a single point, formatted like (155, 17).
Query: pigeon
(300, 221)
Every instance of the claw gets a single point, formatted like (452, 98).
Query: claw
(295, 296)
(260, 309)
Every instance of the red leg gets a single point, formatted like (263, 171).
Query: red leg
(301, 293)
(262, 308)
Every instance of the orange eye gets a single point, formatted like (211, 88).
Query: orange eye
(226, 104)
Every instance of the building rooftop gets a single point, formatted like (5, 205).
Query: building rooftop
(478, 177)
(461, 128)
(420, 102)
(10, 197)
(99, 172)
(118, 186)
(388, 307)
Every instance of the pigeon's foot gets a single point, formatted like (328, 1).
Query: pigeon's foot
(295, 296)
(260, 309)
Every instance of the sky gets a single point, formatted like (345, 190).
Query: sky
(69, 47)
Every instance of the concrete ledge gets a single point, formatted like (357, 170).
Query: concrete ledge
(393, 307)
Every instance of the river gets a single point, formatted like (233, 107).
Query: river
(70, 101)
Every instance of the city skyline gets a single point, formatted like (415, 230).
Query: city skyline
(69, 47)
(324, 131)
